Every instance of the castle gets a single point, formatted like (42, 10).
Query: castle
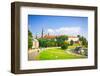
(75, 39)
(48, 36)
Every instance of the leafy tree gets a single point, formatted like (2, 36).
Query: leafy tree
(67, 42)
(71, 42)
(64, 45)
(61, 39)
(30, 39)
(42, 42)
(51, 43)
(84, 42)
(78, 36)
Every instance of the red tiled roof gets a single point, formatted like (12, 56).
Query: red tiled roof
(53, 36)
(72, 37)
(49, 37)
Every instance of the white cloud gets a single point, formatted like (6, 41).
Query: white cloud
(50, 30)
(65, 31)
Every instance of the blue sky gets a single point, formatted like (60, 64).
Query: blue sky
(58, 25)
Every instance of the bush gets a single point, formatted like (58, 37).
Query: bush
(60, 40)
(42, 42)
(64, 46)
(71, 42)
(30, 39)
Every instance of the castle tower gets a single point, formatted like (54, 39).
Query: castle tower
(36, 36)
(42, 33)
(48, 34)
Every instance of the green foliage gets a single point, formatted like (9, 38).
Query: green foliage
(30, 39)
(78, 36)
(57, 53)
(64, 45)
(60, 42)
(47, 42)
(61, 39)
(71, 42)
(51, 43)
(42, 42)
(84, 42)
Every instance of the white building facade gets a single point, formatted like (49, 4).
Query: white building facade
(35, 44)
(73, 38)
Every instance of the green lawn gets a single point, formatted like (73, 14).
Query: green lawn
(73, 46)
(56, 53)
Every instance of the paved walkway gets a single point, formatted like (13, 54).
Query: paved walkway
(32, 54)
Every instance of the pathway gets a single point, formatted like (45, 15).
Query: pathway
(32, 54)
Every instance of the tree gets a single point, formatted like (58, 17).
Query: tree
(78, 36)
(64, 45)
(51, 43)
(61, 39)
(71, 42)
(30, 39)
(84, 42)
(42, 42)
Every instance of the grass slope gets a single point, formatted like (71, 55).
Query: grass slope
(56, 53)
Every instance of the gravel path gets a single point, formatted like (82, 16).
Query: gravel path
(32, 54)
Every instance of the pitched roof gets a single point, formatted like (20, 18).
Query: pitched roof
(53, 36)
(72, 37)
(49, 36)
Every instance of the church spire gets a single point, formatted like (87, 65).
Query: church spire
(36, 36)
(48, 34)
(42, 33)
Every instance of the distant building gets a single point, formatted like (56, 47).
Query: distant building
(74, 38)
(49, 36)
(35, 43)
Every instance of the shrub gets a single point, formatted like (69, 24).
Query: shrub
(71, 42)
(30, 39)
(64, 46)
(60, 39)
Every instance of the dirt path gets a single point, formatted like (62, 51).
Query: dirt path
(32, 54)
